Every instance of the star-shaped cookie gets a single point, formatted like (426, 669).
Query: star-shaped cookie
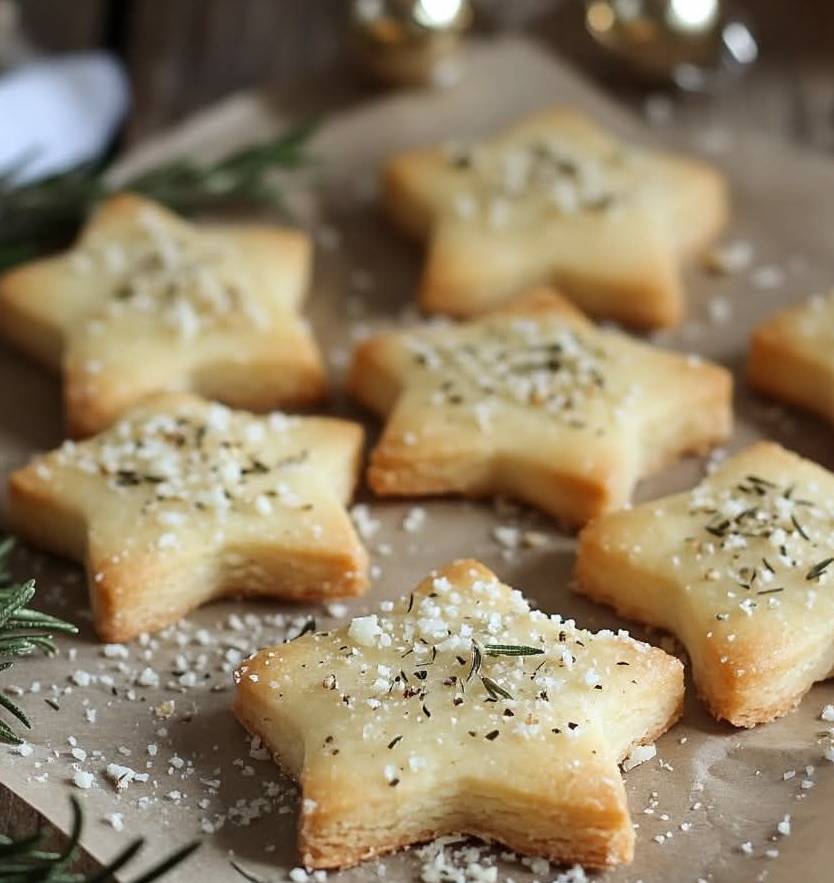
(740, 569)
(792, 356)
(460, 709)
(184, 501)
(146, 302)
(555, 199)
(535, 402)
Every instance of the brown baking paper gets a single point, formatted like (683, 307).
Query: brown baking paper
(710, 789)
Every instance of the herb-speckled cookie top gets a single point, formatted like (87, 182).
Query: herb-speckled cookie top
(146, 302)
(555, 199)
(740, 568)
(535, 401)
(458, 685)
(185, 500)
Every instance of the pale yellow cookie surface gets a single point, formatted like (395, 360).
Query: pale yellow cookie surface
(460, 709)
(740, 569)
(184, 501)
(535, 402)
(146, 302)
(792, 356)
(555, 199)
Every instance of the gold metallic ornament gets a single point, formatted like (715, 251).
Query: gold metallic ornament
(690, 42)
(410, 42)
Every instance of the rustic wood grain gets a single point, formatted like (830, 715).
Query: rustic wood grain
(186, 54)
(65, 27)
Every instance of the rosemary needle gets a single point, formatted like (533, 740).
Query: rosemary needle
(23, 860)
(512, 650)
(23, 630)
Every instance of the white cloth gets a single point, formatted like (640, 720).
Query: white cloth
(59, 112)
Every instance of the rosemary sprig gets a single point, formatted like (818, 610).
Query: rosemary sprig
(46, 214)
(22, 631)
(495, 690)
(23, 861)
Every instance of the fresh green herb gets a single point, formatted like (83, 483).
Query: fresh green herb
(818, 569)
(23, 861)
(46, 214)
(496, 691)
(511, 650)
(22, 631)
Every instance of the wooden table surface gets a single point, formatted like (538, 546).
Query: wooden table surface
(186, 54)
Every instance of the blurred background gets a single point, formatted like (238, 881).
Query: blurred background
(181, 55)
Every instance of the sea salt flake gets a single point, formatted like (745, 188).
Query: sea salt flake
(365, 630)
(639, 754)
(82, 779)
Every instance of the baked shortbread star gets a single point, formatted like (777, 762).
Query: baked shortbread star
(556, 199)
(740, 569)
(460, 709)
(792, 356)
(184, 501)
(535, 402)
(146, 302)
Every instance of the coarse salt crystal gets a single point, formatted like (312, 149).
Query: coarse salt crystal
(115, 651)
(82, 779)
(414, 519)
(639, 754)
(148, 678)
(731, 257)
(365, 630)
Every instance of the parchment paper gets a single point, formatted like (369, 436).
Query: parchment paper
(713, 794)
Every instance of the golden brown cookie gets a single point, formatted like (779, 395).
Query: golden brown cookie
(792, 356)
(460, 709)
(535, 402)
(184, 501)
(146, 302)
(555, 199)
(740, 569)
